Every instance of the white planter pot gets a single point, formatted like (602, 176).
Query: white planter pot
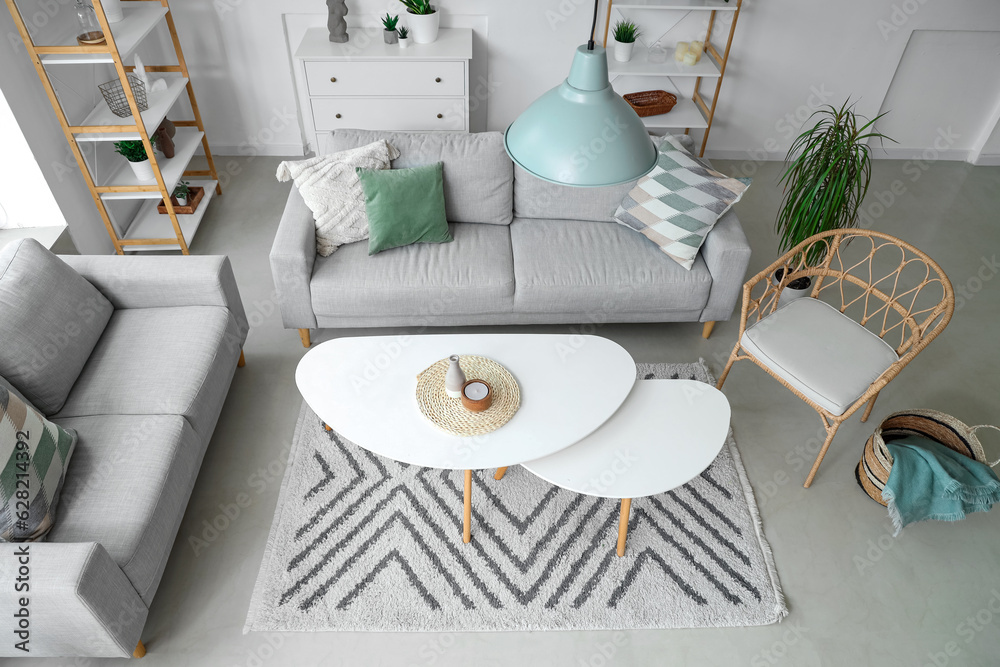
(623, 51)
(143, 171)
(423, 27)
(404, 42)
(182, 201)
(113, 10)
(789, 294)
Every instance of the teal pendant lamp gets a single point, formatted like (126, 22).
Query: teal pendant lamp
(582, 133)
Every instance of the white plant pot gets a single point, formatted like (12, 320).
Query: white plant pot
(623, 51)
(113, 10)
(423, 27)
(789, 294)
(143, 171)
(182, 201)
(404, 42)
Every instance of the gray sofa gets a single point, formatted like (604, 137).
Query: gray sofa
(145, 402)
(525, 252)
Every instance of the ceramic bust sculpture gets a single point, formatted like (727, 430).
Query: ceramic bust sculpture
(454, 378)
(336, 23)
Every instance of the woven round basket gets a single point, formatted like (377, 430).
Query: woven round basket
(872, 472)
(448, 413)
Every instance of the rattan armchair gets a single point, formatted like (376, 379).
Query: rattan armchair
(878, 282)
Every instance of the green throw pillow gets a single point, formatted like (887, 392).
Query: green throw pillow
(404, 206)
(34, 454)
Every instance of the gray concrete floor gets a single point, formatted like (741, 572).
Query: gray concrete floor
(857, 596)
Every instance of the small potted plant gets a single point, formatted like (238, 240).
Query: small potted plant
(404, 37)
(182, 193)
(625, 33)
(133, 151)
(826, 179)
(423, 20)
(389, 34)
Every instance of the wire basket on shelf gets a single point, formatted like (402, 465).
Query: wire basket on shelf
(114, 95)
(651, 102)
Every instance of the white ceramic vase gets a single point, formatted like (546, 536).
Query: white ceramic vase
(623, 51)
(113, 10)
(424, 27)
(454, 378)
(143, 171)
(182, 201)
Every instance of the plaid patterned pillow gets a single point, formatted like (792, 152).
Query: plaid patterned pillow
(34, 454)
(676, 205)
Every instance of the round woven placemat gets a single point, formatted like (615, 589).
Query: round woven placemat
(448, 413)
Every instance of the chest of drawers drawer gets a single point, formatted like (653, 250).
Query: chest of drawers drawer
(383, 78)
(402, 115)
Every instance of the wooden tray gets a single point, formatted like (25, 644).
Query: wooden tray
(194, 198)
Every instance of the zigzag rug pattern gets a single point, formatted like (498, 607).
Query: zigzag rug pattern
(360, 542)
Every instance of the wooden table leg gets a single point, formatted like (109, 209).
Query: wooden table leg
(467, 520)
(500, 473)
(140, 650)
(623, 525)
(327, 427)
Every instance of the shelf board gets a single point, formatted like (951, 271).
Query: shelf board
(186, 142)
(140, 19)
(684, 114)
(640, 65)
(151, 224)
(159, 104)
(682, 5)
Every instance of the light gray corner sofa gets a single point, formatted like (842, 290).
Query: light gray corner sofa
(144, 393)
(525, 252)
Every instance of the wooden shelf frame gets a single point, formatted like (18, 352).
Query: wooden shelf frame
(110, 53)
(706, 107)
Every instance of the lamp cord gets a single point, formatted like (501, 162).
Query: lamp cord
(593, 28)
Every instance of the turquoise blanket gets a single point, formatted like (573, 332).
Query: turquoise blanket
(931, 481)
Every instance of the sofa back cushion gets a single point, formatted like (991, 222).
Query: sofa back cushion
(50, 321)
(478, 175)
(535, 198)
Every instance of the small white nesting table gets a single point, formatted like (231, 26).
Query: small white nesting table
(364, 388)
(666, 433)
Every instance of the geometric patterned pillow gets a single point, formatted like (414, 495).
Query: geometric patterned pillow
(676, 205)
(34, 454)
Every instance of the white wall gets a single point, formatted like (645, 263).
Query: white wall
(25, 197)
(788, 56)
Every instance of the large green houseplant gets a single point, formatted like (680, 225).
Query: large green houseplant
(827, 176)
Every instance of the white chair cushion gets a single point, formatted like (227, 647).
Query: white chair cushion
(821, 352)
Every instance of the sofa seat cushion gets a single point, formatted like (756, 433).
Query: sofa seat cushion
(160, 361)
(827, 356)
(478, 175)
(127, 489)
(472, 274)
(50, 320)
(600, 268)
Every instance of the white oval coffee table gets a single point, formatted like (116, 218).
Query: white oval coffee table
(666, 433)
(364, 388)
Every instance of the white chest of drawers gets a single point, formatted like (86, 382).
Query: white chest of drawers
(370, 85)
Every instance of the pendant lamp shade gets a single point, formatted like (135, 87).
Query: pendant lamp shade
(582, 133)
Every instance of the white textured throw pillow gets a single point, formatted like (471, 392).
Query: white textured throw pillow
(330, 187)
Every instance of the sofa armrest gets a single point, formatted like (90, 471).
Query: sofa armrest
(164, 281)
(292, 257)
(727, 254)
(79, 602)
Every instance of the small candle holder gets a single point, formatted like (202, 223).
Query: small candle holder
(477, 395)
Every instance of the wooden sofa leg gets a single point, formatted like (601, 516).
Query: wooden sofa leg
(140, 650)
(242, 362)
(304, 335)
(706, 331)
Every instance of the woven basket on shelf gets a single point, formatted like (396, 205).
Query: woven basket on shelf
(872, 472)
(651, 102)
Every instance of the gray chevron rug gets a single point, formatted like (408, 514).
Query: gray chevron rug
(364, 543)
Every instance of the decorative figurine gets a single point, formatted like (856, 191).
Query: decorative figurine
(336, 23)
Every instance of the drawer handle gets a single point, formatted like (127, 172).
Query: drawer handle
(437, 80)
(440, 116)
(333, 79)
(337, 116)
